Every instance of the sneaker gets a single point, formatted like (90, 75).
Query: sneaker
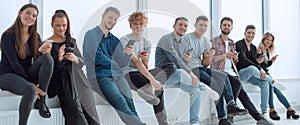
(224, 122)
(197, 123)
(213, 95)
(264, 121)
(233, 110)
(147, 93)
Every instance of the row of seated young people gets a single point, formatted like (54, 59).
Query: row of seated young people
(115, 66)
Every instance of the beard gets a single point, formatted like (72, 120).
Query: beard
(108, 28)
(225, 33)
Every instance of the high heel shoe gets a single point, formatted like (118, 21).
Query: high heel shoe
(273, 115)
(43, 109)
(292, 113)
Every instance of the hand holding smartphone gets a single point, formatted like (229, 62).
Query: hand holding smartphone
(46, 47)
(188, 51)
(262, 56)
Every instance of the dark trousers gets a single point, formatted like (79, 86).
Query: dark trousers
(70, 105)
(244, 98)
(40, 72)
(219, 82)
(136, 80)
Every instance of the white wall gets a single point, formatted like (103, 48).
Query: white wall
(286, 28)
(85, 14)
(9, 11)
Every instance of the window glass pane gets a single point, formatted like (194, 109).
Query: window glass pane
(286, 29)
(9, 11)
(243, 13)
(162, 17)
(85, 15)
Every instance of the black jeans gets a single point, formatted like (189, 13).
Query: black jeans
(244, 98)
(136, 80)
(40, 72)
(219, 82)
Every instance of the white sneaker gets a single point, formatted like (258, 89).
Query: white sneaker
(264, 121)
(211, 93)
(197, 123)
(278, 85)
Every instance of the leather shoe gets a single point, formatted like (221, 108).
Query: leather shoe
(292, 113)
(273, 115)
(233, 110)
(43, 109)
(224, 122)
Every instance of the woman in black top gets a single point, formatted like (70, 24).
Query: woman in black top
(68, 79)
(22, 67)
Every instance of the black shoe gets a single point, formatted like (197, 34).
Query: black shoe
(273, 115)
(36, 104)
(292, 113)
(43, 109)
(224, 122)
(233, 110)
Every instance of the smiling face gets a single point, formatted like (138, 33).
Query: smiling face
(226, 27)
(109, 20)
(180, 27)
(201, 27)
(60, 25)
(268, 41)
(249, 35)
(28, 16)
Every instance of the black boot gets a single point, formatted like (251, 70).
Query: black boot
(273, 115)
(292, 114)
(43, 109)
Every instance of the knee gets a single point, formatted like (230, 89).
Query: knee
(195, 92)
(47, 59)
(30, 90)
(169, 68)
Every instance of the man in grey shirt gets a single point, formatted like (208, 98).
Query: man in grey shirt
(166, 52)
(198, 60)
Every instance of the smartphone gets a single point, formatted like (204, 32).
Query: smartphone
(262, 56)
(276, 55)
(189, 50)
(130, 42)
(69, 49)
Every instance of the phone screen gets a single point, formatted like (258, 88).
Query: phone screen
(130, 42)
(189, 50)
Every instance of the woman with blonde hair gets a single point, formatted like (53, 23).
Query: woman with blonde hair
(266, 50)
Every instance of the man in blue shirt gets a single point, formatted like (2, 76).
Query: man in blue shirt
(104, 58)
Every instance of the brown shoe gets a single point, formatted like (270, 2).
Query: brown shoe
(147, 93)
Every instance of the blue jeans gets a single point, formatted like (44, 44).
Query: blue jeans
(279, 95)
(182, 80)
(219, 82)
(252, 75)
(117, 92)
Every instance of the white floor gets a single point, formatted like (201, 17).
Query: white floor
(283, 121)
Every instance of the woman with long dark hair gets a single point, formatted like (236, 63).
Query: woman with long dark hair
(23, 70)
(68, 79)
